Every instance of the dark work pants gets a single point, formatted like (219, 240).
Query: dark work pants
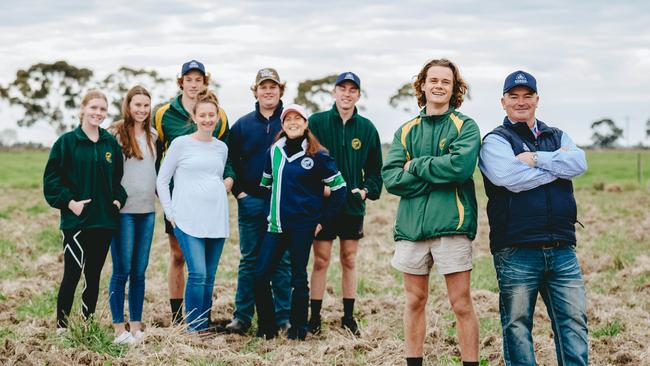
(298, 243)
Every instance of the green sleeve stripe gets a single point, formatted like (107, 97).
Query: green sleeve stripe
(328, 180)
(336, 181)
(338, 187)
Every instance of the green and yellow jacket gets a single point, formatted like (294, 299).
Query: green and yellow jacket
(437, 192)
(78, 169)
(356, 148)
(171, 120)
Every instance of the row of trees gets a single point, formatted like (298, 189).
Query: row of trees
(52, 92)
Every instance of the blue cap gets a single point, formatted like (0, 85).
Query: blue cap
(192, 65)
(349, 75)
(520, 78)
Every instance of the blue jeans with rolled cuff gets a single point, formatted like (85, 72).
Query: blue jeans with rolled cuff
(555, 274)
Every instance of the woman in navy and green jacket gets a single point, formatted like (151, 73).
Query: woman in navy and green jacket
(83, 179)
(296, 171)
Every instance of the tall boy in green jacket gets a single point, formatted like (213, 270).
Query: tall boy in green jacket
(430, 166)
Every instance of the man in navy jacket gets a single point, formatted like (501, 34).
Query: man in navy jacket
(250, 138)
(527, 168)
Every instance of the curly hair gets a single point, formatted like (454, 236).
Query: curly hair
(459, 90)
(206, 96)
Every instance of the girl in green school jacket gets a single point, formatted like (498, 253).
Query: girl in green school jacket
(82, 179)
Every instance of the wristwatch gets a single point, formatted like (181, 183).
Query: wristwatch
(534, 157)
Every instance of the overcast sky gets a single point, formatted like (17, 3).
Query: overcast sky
(591, 58)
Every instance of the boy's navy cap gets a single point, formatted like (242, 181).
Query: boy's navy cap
(192, 65)
(349, 75)
(520, 78)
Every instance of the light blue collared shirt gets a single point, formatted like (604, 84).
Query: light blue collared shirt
(500, 165)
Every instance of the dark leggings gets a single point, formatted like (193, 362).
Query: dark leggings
(83, 251)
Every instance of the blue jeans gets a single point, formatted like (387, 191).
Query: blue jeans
(202, 257)
(252, 226)
(555, 274)
(130, 253)
(274, 247)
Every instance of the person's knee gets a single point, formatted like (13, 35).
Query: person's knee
(348, 262)
(416, 301)
(462, 305)
(119, 278)
(321, 262)
(176, 258)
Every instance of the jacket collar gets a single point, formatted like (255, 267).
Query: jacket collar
(177, 104)
(522, 129)
(81, 135)
(283, 141)
(336, 113)
(423, 114)
(276, 113)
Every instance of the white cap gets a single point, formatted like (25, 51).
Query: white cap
(295, 108)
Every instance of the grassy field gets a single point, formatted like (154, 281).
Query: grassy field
(614, 251)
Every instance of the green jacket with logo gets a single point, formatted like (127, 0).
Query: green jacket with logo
(171, 120)
(356, 148)
(80, 169)
(437, 192)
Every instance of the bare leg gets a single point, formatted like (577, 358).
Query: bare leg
(458, 291)
(416, 289)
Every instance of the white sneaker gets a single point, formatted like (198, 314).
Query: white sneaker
(138, 335)
(124, 338)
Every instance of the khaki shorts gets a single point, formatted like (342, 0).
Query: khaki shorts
(450, 254)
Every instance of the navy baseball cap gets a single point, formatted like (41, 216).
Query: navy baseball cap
(192, 65)
(348, 75)
(520, 78)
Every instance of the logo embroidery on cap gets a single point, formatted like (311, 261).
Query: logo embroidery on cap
(521, 79)
(266, 73)
(307, 163)
(356, 143)
(525, 147)
(109, 157)
(193, 65)
(349, 76)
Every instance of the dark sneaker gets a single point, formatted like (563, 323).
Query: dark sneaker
(314, 325)
(237, 326)
(351, 325)
(296, 334)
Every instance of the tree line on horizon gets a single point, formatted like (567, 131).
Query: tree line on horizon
(51, 92)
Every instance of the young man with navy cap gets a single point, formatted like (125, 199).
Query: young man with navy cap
(172, 120)
(353, 142)
(250, 139)
(527, 168)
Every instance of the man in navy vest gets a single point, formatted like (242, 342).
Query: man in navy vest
(527, 168)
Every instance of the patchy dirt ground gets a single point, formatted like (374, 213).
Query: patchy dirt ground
(613, 250)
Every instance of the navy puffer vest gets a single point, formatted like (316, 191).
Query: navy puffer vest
(543, 214)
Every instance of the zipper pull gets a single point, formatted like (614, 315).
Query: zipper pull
(268, 128)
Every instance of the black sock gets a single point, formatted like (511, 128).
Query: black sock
(177, 310)
(470, 363)
(414, 361)
(315, 307)
(348, 307)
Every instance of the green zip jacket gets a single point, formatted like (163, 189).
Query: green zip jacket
(80, 169)
(356, 148)
(171, 120)
(437, 192)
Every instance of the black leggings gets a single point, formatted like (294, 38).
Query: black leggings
(83, 251)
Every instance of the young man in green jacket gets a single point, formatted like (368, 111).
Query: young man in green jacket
(430, 166)
(353, 142)
(172, 120)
